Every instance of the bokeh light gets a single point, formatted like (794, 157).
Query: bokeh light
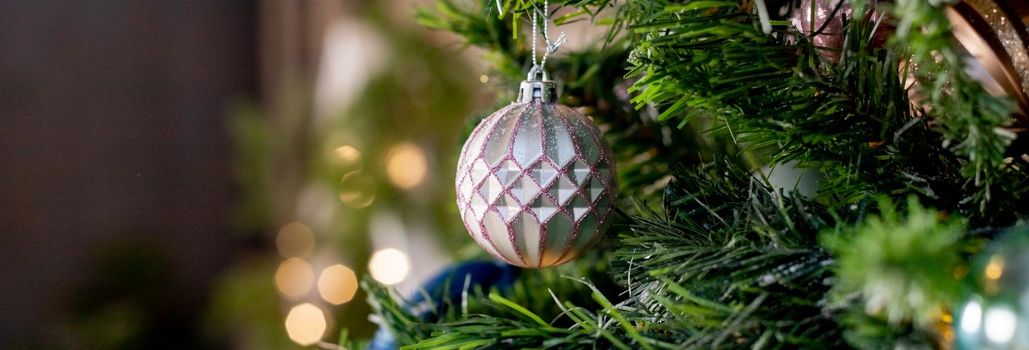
(389, 266)
(305, 324)
(995, 268)
(337, 284)
(1000, 323)
(406, 165)
(356, 189)
(971, 317)
(294, 277)
(295, 240)
(347, 155)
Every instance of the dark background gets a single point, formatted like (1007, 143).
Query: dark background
(113, 141)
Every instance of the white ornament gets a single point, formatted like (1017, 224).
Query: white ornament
(536, 181)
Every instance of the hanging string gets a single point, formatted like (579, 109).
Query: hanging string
(552, 46)
(534, 29)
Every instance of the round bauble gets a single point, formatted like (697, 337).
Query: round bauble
(813, 15)
(995, 311)
(828, 16)
(536, 181)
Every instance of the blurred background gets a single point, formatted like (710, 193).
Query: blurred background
(220, 174)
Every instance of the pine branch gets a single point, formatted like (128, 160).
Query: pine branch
(971, 120)
(710, 60)
(897, 271)
(527, 304)
(733, 264)
(730, 262)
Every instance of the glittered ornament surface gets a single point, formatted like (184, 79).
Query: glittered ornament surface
(535, 181)
(997, 46)
(995, 313)
(823, 22)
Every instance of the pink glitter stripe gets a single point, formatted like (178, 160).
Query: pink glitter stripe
(506, 187)
(561, 206)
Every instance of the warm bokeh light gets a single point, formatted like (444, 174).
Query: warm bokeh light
(305, 324)
(337, 284)
(294, 277)
(295, 240)
(348, 155)
(483, 78)
(389, 266)
(406, 165)
(995, 268)
(356, 189)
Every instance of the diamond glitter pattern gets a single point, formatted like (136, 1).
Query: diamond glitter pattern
(535, 184)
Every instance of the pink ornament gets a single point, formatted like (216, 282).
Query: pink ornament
(536, 181)
(813, 15)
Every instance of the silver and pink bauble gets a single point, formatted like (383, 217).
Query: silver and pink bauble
(536, 181)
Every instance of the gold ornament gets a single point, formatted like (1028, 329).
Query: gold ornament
(994, 35)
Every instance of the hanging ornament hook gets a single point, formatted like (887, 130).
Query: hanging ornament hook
(539, 67)
(535, 72)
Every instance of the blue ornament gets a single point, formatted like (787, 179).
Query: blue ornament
(383, 340)
(445, 289)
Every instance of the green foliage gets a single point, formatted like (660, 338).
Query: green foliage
(232, 313)
(478, 30)
(729, 261)
(524, 311)
(731, 264)
(970, 119)
(851, 119)
(526, 329)
(251, 170)
(901, 265)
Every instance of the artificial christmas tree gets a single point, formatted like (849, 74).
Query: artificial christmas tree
(695, 98)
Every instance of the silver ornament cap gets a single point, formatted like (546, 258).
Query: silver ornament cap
(541, 90)
(536, 180)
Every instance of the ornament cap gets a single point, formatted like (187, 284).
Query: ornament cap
(537, 90)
